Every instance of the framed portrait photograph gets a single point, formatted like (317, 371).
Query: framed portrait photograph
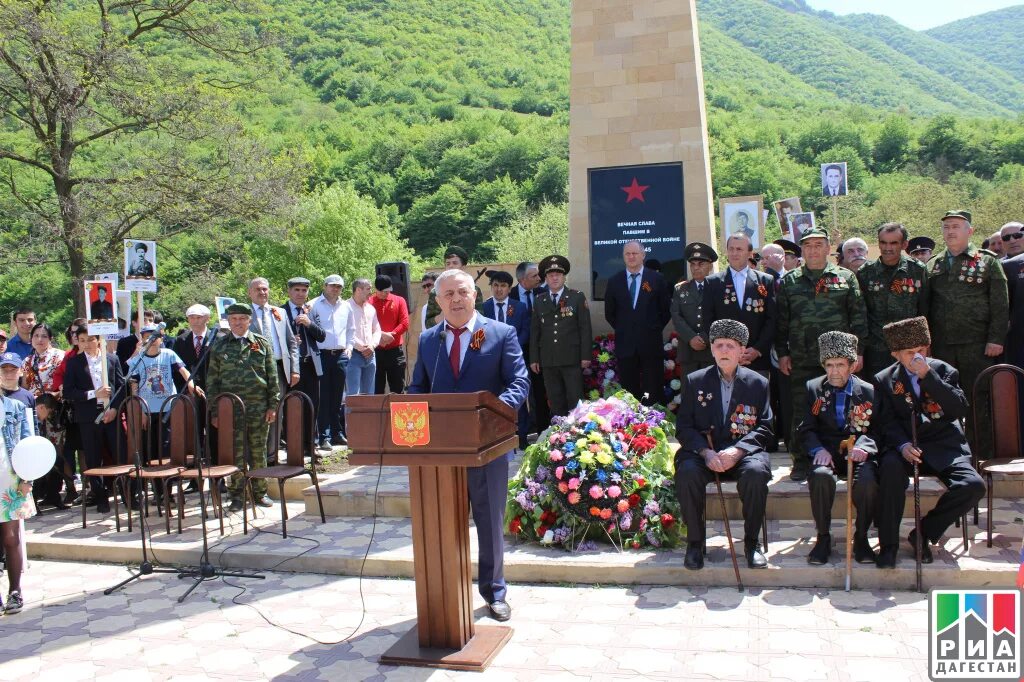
(139, 265)
(100, 307)
(124, 315)
(798, 224)
(742, 215)
(833, 179)
(783, 209)
(220, 304)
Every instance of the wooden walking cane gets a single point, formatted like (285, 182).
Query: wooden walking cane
(846, 447)
(725, 518)
(918, 536)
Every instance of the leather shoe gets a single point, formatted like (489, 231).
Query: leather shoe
(926, 551)
(265, 501)
(236, 505)
(694, 560)
(754, 554)
(822, 550)
(500, 610)
(340, 440)
(888, 557)
(862, 552)
(799, 472)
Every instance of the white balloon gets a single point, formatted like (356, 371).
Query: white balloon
(33, 457)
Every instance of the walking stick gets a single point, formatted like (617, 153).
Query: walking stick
(845, 447)
(918, 537)
(725, 518)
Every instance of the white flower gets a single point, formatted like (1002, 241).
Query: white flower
(670, 364)
(668, 346)
(549, 537)
(676, 385)
(610, 374)
(675, 343)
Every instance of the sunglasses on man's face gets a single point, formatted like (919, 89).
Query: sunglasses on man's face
(427, 285)
(1015, 235)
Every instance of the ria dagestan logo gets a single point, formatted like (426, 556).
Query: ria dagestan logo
(974, 635)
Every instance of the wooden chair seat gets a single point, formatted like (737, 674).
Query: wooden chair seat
(110, 471)
(166, 471)
(1009, 467)
(280, 471)
(216, 471)
(1004, 425)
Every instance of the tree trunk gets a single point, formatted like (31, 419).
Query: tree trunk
(70, 214)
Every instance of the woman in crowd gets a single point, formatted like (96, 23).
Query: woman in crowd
(40, 366)
(15, 498)
(72, 441)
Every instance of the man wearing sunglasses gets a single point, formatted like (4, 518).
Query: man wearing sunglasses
(1013, 266)
(1012, 235)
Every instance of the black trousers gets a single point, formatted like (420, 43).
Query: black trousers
(778, 385)
(964, 488)
(98, 439)
(330, 415)
(752, 474)
(821, 483)
(390, 370)
(642, 374)
(309, 382)
(541, 411)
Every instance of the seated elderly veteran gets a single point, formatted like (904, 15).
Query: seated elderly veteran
(730, 403)
(840, 406)
(928, 391)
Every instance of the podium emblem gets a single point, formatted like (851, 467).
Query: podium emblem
(410, 424)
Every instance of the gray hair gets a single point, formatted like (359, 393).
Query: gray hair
(361, 282)
(855, 241)
(1014, 226)
(258, 280)
(771, 248)
(632, 241)
(523, 268)
(452, 274)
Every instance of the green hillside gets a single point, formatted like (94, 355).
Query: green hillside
(993, 36)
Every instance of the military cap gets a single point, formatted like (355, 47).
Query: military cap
(966, 215)
(792, 248)
(10, 359)
(499, 276)
(553, 264)
(141, 245)
(298, 281)
(238, 309)
(334, 279)
(813, 233)
(700, 251)
(920, 244)
(382, 283)
(909, 333)
(457, 251)
(837, 344)
(729, 329)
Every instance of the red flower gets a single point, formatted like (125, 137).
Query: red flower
(667, 520)
(594, 511)
(636, 544)
(640, 482)
(516, 526)
(542, 530)
(548, 517)
(634, 500)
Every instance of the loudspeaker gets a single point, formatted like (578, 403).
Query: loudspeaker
(399, 274)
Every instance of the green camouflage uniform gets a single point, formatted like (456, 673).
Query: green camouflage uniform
(891, 294)
(809, 304)
(968, 306)
(560, 338)
(691, 317)
(235, 367)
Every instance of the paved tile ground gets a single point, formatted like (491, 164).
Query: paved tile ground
(71, 631)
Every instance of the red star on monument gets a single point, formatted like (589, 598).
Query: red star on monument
(635, 191)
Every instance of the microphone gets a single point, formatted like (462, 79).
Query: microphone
(440, 346)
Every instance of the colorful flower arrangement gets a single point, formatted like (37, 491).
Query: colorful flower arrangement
(604, 472)
(601, 379)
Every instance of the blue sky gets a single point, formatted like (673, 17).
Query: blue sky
(917, 14)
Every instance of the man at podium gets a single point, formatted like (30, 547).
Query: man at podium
(467, 352)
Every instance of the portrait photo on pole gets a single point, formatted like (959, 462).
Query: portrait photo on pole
(220, 304)
(798, 224)
(139, 265)
(785, 208)
(101, 307)
(124, 315)
(833, 179)
(742, 215)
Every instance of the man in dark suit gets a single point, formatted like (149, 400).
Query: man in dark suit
(745, 294)
(527, 289)
(83, 388)
(190, 346)
(308, 334)
(636, 304)
(839, 406)
(731, 403)
(465, 354)
(691, 310)
(101, 308)
(502, 308)
(927, 392)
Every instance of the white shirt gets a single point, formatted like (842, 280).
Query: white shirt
(526, 296)
(501, 310)
(739, 282)
(555, 295)
(336, 320)
(95, 366)
(464, 338)
(265, 321)
(639, 282)
(365, 327)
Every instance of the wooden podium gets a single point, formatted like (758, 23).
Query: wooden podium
(465, 430)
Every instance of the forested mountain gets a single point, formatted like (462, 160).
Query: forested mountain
(993, 36)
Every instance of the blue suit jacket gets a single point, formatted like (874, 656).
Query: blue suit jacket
(519, 318)
(497, 367)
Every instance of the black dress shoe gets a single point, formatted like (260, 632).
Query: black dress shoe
(265, 501)
(694, 560)
(888, 557)
(235, 506)
(103, 507)
(926, 551)
(755, 556)
(799, 472)
(862, 552)
(822, 550)
(500, 610)
(340, 440)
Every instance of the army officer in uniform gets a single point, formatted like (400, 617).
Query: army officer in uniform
(691, 310)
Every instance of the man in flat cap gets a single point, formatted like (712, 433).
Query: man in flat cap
(636, 306)
(817, 296)
(561, 337)
(393, 316)
(332, 314)
(305, 326)
(503, 308)
(894, 288)
(731, 403)
(455, 258)
(242, 362)
(742, 293)
(920, 248)
(691, 310)
(968, 313)
(838, 406)
(190, 346)
(926, 391)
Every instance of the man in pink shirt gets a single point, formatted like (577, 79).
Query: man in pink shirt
(362, 368)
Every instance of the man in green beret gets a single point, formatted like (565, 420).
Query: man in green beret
(816, 297)
(968, 312)
(242, 362)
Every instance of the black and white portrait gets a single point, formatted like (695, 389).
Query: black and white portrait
(833, 179)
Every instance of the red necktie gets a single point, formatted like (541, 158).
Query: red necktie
(456, 352)
(199, 344)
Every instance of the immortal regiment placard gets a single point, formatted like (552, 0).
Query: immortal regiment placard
(221, 303)
(101, 307)
(833, 179)
(785, 208)
(798, 224)
(124, 305)
(742, 215)
(139, 265)
(644, 203)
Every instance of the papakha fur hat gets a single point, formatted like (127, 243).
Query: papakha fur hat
(909, 333)
(837, 344)
(730, 329)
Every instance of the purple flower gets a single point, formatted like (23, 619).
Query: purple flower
(542, 473)
(653, 539)
(625, 521)
(652, 508)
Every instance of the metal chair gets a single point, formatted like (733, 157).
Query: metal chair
(296, 411)
(1004, 383)
(132, 411)
(180, 418)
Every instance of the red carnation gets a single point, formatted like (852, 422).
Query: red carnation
(634, 500)
(542, 530)
(516, 526)
(640, 482)
(667, 520)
